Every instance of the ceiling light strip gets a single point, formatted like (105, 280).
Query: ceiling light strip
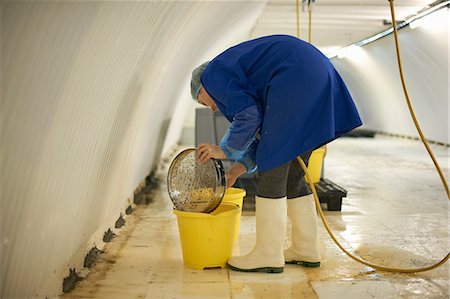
(390, 30)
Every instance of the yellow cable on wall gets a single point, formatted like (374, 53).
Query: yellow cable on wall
(298, 18)
(297, 9)
(309, 22)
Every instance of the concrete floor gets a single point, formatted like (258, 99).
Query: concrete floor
(396, 214)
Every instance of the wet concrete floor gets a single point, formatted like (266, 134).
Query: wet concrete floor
(395, 214)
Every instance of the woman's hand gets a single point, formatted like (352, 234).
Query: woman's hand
(206, 151)
(234, 173)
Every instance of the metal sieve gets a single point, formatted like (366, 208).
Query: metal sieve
(195, 187)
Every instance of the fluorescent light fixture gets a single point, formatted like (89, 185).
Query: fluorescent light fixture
(344, 52)
(352, 50)
(416, 23)
(427, 19)
(329, 50)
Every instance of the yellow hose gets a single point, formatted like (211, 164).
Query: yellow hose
(358, 259)
(411, 110)
(316, 198)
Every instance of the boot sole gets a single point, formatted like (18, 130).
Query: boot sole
(263, 269)
(305, 264)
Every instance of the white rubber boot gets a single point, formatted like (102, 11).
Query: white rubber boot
(305, 248)
(267, 255)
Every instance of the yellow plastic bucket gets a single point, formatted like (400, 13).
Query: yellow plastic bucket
(315, 164)
(235, 196)
(207, 239)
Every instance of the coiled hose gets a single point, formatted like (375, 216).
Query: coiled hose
(422, 137)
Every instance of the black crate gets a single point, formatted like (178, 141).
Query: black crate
(328, 192)
(331, 194)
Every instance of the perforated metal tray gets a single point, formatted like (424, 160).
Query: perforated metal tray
(195, 187)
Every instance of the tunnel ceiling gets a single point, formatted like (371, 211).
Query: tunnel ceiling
(335, 23)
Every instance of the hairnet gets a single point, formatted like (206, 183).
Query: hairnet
(196, 84)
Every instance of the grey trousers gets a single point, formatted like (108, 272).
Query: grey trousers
(285, 180)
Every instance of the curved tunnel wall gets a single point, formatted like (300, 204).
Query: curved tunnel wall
(89, 93)
(94, 93)
(372, 75)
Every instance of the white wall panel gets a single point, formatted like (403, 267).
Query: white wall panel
(88, 91)
(372, 76)
(228, 39)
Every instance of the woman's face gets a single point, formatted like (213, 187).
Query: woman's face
(205, 99)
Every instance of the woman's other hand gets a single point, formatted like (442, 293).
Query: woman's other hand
(206, 151)
(234, 173)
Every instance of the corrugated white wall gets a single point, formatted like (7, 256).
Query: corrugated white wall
(89, 90)
(372, 76)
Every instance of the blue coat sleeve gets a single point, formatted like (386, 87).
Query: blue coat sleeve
(239, 142)
(247, 156)
(227, 83)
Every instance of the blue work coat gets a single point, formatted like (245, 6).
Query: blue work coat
(285, 89)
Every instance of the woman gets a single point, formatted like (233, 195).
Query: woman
(284, 99)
